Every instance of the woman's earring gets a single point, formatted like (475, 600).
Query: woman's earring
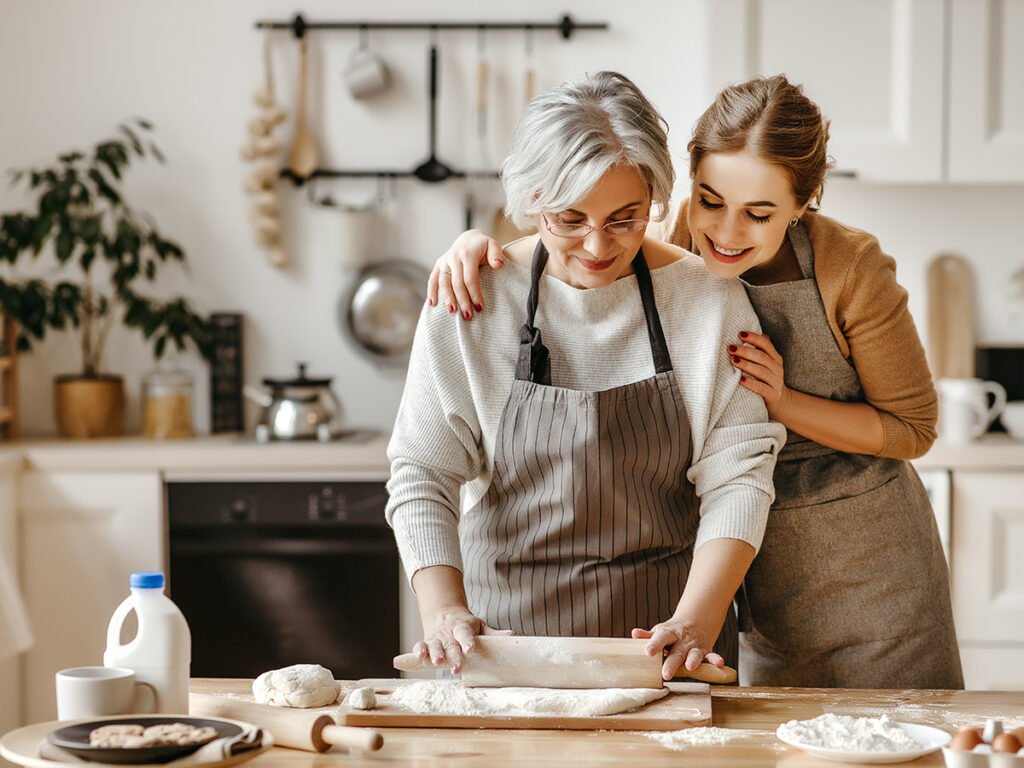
(793, 222)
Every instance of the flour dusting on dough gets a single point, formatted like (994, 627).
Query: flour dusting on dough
(449, 697)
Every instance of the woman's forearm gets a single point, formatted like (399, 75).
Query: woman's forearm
(718, 568)
(850, 427)
(438, 589)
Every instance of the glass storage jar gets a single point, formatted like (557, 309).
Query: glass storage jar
(167, 404)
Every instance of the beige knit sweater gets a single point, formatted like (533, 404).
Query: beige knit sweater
(867, 312)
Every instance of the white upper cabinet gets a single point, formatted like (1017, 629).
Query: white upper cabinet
(986, 116)
(916, 90)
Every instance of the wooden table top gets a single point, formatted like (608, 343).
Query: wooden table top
(744, 719)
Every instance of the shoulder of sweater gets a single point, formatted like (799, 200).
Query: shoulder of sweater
(842, 252)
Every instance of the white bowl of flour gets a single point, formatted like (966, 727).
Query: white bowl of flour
(862, 739)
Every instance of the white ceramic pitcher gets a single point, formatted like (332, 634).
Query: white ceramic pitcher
(964, 408)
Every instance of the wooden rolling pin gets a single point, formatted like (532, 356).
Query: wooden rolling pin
(564, 662)
(295, 728)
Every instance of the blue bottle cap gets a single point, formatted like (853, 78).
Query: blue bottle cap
(147, 580)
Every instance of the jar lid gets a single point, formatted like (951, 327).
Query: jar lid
(169, 377)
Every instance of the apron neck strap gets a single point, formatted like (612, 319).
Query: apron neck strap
(802, 248)
(534, 363)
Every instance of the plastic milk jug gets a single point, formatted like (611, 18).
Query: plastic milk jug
(161, 651)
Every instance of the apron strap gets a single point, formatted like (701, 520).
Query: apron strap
(659, 349)
(802, 248)
(534, 363)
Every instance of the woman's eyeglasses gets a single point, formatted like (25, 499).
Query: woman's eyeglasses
(576, 230)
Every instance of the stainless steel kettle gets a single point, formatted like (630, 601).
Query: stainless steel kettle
(300, 408)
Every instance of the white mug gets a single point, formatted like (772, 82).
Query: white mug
(964, 409)
(365, 74)
(101, 691)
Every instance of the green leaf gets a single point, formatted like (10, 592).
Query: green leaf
(65, 244)
(103, 187)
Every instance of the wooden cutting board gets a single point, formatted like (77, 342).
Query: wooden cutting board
(688, 705)
(950, 318)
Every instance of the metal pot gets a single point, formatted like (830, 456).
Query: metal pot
(381, 309)
(300, 408)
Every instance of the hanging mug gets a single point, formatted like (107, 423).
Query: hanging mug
(965, 410)
(365, 73)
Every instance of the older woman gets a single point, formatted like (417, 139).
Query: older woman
(553, 471)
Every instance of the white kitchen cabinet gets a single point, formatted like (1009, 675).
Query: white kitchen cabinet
(986, 97)
(988, 576)
(83, 533)
(10, 667)
(917, 90)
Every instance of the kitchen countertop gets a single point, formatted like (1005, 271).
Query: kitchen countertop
(751, 714)
(364, 453)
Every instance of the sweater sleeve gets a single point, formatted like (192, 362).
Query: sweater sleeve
(434, 449)
(871, 314)
(735, 454)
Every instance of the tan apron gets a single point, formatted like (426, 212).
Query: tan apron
(850, 588)
(588, 526)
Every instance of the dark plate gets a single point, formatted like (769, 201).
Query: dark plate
(75, 739)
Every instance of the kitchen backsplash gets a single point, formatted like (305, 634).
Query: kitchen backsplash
(195, 82)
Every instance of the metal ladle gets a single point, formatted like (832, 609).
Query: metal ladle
(432, 169)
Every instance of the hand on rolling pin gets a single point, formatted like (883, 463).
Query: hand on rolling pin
(682, 645)
(449, 628)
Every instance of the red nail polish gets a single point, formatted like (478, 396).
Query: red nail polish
(742, 379)
(735, 358)
(743, 334)
(451, 308)
(732, 348)
(478, 307)
(466, 314)
(431, 302)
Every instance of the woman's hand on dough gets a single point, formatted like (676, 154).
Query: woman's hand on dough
(762, 368)
(681, 645)
(451, 636)
(455, 278)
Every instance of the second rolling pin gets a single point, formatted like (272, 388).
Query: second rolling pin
(295, 728)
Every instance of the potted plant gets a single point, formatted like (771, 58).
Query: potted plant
(103, 252)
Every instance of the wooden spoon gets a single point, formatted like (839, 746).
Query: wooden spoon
(302, 157)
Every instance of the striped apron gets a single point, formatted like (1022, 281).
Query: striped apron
(588, 526)
(850, 588)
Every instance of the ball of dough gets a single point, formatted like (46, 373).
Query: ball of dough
(361, 698)
(300, 685)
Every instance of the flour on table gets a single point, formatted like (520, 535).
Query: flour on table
(702, 736)
(450, 697)
(849, 734)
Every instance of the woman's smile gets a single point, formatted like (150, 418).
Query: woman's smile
(726, 255)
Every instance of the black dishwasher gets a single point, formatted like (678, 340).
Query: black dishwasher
(270, 574)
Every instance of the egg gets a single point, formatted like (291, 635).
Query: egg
(966, 739)
(1019, 733)
(1006, 742)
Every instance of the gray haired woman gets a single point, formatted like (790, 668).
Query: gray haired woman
(551, 472)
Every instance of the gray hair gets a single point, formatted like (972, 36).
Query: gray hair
(568, 138)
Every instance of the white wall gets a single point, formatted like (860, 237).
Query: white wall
(69, 71)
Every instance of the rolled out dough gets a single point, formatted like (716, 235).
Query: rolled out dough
(450, 697)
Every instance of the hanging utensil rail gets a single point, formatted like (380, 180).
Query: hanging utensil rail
(566, 26)
(299, 27)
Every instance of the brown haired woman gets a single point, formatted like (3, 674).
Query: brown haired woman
(850, 588)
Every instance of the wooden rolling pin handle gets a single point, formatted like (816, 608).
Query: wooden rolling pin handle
(410, 662)
(709, 673)
(353, 738)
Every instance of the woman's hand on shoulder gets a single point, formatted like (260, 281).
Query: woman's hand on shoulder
(455, 279)
(682, 644)
(762, 368)
(451, 636)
